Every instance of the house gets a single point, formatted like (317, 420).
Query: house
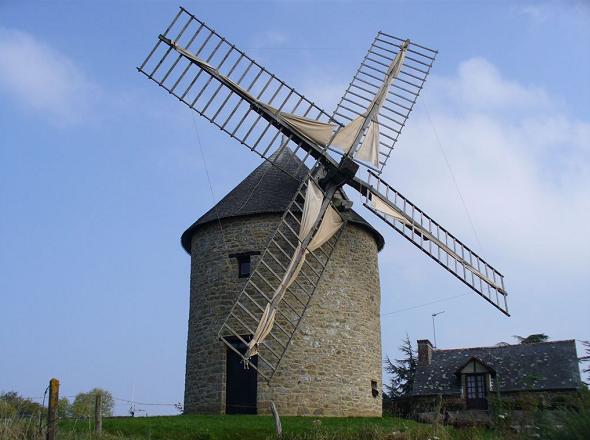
(467, 378)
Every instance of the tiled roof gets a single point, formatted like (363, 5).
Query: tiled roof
(266, 190)
(542, 366)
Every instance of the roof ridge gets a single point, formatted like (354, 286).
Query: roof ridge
(505, 346)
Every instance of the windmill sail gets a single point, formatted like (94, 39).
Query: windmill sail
(439, 244)
(220, 82)
(396, 90)
(309, 240)
(277, 293)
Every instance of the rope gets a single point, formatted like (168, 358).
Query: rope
(210, 184)
(254, 189)
(444, 154)
(145, 403)
(448, 298)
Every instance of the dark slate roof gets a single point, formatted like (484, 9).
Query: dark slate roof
(542, 366)
(266, 190)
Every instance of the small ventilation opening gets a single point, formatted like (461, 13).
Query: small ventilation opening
(374, 389)
(244, 260)
(244, 265)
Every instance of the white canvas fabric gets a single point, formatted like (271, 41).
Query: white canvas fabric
(311, 209)
(384, 208)
(379, 205)
(328, 227)
(262, 331)
(330, 223)
(369, 149)
(320, 132)
(392, 73)
(347, 134)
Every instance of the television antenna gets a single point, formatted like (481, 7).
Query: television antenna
(434, 315)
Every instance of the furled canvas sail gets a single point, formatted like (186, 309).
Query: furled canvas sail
(346, 136)
(329, 224)
(320, 132)
(323, 133)
(384, 208)
(369, 149)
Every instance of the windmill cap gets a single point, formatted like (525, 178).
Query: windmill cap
(267, 190)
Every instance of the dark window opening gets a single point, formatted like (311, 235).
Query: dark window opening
(244, 264)
(374, 389)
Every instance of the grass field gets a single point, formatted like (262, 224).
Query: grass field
(200, 427)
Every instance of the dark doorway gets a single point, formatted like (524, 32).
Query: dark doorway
(241, 383)
(476, 391)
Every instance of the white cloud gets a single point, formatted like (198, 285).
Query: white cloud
(522, 165)
(42, 79)
(536, 12)
(573, 12)
(479, 86)
(268, 39)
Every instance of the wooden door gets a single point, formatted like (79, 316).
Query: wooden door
(241, 384)
(476, 391)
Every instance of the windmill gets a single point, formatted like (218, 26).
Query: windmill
(220, 82)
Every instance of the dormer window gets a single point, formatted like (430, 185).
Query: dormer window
(475, 378)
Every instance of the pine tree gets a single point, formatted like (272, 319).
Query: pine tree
(586, 359)
(532, 339)
(402, 370)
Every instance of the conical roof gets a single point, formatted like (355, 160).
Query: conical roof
(266, 190)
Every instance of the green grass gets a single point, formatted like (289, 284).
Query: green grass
(203, 427)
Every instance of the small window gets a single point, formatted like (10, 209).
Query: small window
(374, 389)
(244, 266)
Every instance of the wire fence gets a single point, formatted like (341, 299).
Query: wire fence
(121, 407)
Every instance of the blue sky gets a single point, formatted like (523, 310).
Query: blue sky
(101, 172)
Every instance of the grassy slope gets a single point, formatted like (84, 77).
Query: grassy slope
(197, 427)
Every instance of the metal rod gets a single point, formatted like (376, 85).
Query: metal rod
(412, 43)
(159, 41)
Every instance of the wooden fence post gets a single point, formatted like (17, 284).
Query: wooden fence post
(98, 413)
(275, 414)
(52, 409)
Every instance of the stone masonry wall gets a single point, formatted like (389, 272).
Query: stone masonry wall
(334, 355)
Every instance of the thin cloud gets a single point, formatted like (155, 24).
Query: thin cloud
(269, 39)
(41, 79)
(523, 169)
(479, 85)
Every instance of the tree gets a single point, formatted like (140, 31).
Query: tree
(532, 339)
(84, 403)
(12, 403)
(64, 408)
(402, 370)
(586, 359)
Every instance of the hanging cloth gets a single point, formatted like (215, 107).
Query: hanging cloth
(320, 132)
(347, 134)
(369, 149)
(329, 225)
(379, 205)
(317, 131)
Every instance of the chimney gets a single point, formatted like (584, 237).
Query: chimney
(424, 352)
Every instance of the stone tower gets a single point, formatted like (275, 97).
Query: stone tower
(333, 366)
